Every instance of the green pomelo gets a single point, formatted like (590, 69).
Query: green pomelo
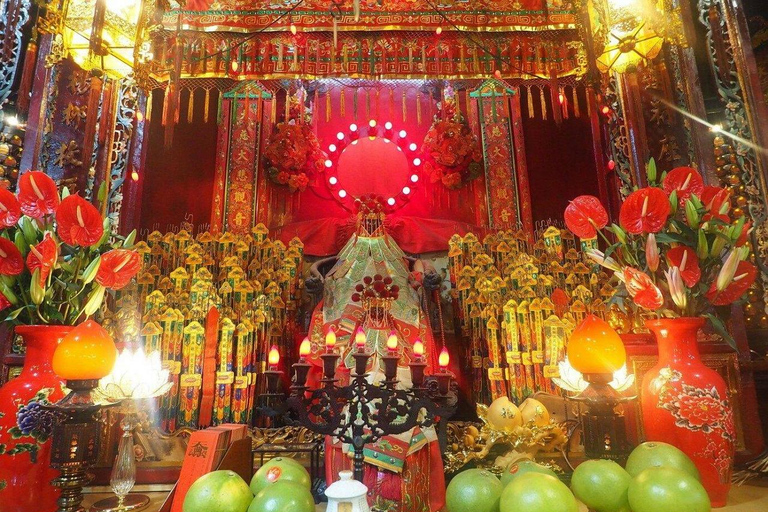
(522, 467)
(655, 454)
(283, 496)
(280, 469)
(473, 490)
(601, 485)
(537, 492)
(667, 490)
(218, 491)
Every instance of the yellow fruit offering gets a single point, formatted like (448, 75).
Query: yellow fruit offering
(504, 415)
(533, 410)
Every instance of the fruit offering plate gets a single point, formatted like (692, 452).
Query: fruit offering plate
(495, 449)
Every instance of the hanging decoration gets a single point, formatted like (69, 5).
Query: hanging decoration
(452, 152)
(293, 156)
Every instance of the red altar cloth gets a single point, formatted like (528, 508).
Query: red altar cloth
(419, 488)
(415, 235)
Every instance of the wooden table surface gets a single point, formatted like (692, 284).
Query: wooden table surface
(745, 498)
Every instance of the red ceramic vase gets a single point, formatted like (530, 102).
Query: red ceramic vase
(684, 403)
(25, 429)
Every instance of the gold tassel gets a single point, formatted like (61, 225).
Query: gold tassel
(177, 105)
(287, 106)
(576, 110)
(377, 104)
(148, 110)
(247, 105)
(405, 108)
(368, 104)
(410, 58)
(418, 108)
(423, 59)
(207, 107)
(564, 104)
(273, 113)
(392, 104)
(190, 107)
(543, 103)
(476, 60)
(295, 65)
(335, 33)
(328, 106)
(470, 111)
(531, 113)
(316, 105)
(279, 56)
(342, 102)
(354, 104)
(259, 105)
(462, 62)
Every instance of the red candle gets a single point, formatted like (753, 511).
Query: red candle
(304, 350)
(330, 341)
(360, 340)
(443, 360)
(418, 349)
(392, 343)
(273, 358)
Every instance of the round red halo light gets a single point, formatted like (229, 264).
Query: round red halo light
(414, 178)
(403, 134)
(388, 125)
(328, 164)
(342, 193)
(406, 190)
(353, 127)
(391, 201)
(332, 148)
(333, 180)
(340, 136)
(417, 161)
(413, 146)
(372, 123)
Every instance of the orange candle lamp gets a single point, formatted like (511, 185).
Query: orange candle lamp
(86, 353)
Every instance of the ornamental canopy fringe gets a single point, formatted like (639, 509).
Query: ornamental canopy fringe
(374, 55)
(316, 15)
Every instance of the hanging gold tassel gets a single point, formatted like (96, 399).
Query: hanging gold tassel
(295, 65)
(190, 107)
(247, 107)
(392, 104)
(405, 108)
(316, 105)
(476, 60)
(576, 109)
(462, 62)
(564, 103)
(531, 113)
(543, 103)
(287, 106)
(273, 113)
(418, 108)
(354, 104)
(206, 109)
(367, 103)
(259, 105)
(148, 110)
(470, 109)
(280, 47)
(423, 58)
(342, 102)
(335, 33)
(377, 104)
(328, 106)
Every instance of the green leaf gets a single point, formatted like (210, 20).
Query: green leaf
(650, 170)
(107, 224)
(673, 202)
(130, 240)
(21, 243)
(29, 229)
(669, 238)
(64, 193)
(91, 270)
(36, 289)
(720, 329)
(102, 196)
(13, 315)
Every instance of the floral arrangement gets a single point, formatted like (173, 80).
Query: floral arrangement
(376, 287)
(453, 151)
(678, 251)
(293, 153)
(57, 257)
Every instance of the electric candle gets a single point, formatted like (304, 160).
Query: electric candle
(360, 340)
(330, 341)
(392, 342)
(304, 349)
(273, 358)
(444, 359)
(418, 349)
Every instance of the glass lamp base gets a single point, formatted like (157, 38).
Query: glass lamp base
(132, 502)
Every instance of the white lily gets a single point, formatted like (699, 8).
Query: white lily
(652, 252)
(135, 376)
(676, 287)
(601, 259)
(726, 274)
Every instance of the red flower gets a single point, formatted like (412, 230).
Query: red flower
(641, 288)
(43, 256)
(744, 234)
(714, 198)
(117, 268)
(644, 211)
(38, 194)
(685, 180)
(700, 411)
(684, 258)
(79, 222)
(11, 261)
(746, 273)
(10, 210)
(585, 215)
(4, 302)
